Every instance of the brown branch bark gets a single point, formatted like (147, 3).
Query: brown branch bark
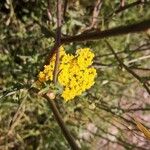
(121, 30)
(61, 123)
(58, 118)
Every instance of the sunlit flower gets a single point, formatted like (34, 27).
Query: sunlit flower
(75, 72)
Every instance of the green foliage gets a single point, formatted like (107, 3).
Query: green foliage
(26, 39)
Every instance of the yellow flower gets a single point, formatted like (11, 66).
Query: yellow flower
(85, 57)
(75, 73)
(41, 76)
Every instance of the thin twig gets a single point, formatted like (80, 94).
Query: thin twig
(131, 51)
(16, 121)
(121, 9)
(17, 116)
(120, 140)
(96, 11)
(58, 38)
(138, 59)
(18, 112)
(128, 6)
(128, 69)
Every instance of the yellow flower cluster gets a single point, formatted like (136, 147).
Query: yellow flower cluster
(75, 73)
